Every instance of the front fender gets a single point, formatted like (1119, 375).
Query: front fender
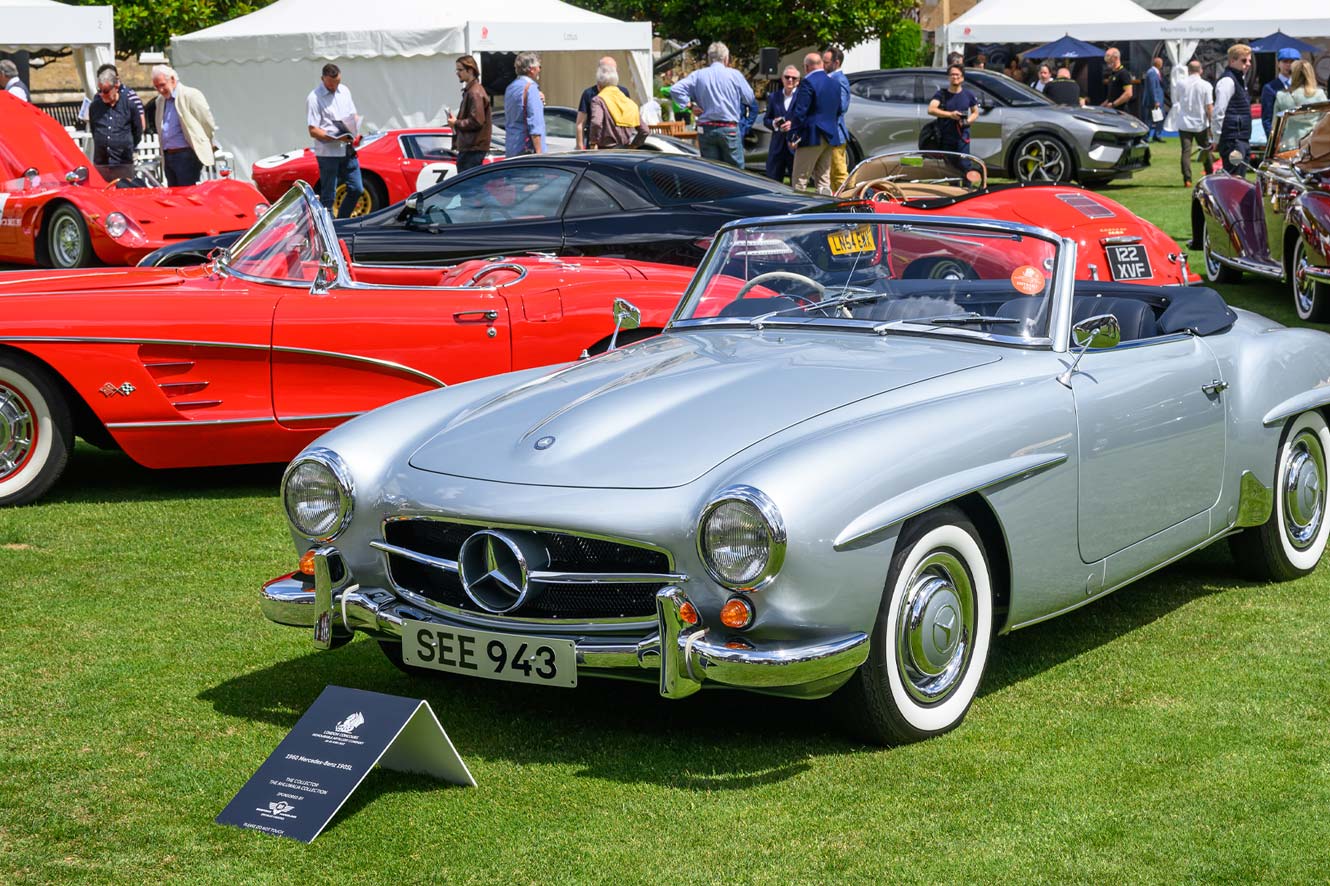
(1311, 217)
(1226, 204)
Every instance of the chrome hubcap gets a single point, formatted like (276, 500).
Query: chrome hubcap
(16, 431)
(67, 241)
(1302, 284)
(935, 627)
(1042, 160)
(1304, 489)
(1211, 263)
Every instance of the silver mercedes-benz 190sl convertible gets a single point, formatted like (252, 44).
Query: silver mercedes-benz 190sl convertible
(829, 474)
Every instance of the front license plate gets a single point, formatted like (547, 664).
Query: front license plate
(851, 242)
(511, 657)
(1129, 262)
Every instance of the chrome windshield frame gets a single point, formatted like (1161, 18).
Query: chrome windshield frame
(323, 227)
(1063, 273)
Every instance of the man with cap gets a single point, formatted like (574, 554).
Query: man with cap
(1284, 60)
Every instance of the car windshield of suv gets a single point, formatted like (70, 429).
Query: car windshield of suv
(947, 278)
(1009, 92)
(284, 245)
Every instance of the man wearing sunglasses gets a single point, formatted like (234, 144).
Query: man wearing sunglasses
(1231, 124)
(780, 155)
(117, 127)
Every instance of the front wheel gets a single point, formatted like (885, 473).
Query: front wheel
(1042, 158)
(67, 241)
(930, 642)
(1291, 542)
(36, 432)
(1311, 298)
(1215, 270)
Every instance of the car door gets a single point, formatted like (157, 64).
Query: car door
(350, 349)
(1151, 429)
(1279, 186)
(427, 159)
(885, 112)
(505, 207)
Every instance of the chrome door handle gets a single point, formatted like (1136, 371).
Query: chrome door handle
(1215, 387)
(488, 316)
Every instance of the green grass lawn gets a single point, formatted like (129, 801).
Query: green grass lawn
(1174, 732)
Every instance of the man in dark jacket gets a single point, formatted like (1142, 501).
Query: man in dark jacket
(1284, 60)
(815, 126)
(1231, 124)
(472, 125)
(116, 126)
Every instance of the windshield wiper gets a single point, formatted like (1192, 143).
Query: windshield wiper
(836, 302)
(965, 319)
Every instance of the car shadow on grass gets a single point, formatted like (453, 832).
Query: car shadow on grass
(96, 475)
(717, 740)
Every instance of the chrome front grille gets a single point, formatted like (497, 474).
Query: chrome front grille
(582, 577)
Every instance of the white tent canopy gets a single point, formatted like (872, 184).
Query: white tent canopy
(1031, 21)
(1231, 19)
(396, 58)
(45, 24)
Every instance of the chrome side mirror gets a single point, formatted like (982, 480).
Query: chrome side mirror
(326, 275)
(409, 207)
(1236, 158)
(30, 178)
(77, 176)
(626, 316)
(1099, 331)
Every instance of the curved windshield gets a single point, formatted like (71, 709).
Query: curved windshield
(284, 245)
(1296, 125)
(928, 277)
(1009, 91)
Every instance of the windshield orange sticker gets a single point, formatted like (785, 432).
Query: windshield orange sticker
(1028, 279)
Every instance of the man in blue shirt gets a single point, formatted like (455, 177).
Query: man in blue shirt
(1284, 60)
(523, 109)
(832, 59)
(721, 94)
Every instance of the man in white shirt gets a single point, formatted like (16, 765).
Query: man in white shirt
(1195, 101)
(332, 119)
(13, 85)
(1231, 125)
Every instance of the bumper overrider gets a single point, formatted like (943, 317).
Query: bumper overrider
(682, 652)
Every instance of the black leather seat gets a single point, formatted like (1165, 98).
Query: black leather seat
(1136, 318)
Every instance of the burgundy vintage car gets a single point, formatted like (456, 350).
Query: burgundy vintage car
(56, 211)
(1279, 225)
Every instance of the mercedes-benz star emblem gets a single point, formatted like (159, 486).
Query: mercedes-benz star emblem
(544, 442)
(493, 571)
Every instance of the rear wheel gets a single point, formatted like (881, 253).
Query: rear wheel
(36, 431)
(939, 268)
(1311, 298)
(930, 642)
(372, 199)
(1042, 158)
(67, 241)
(1215, 270)
(1291, 542)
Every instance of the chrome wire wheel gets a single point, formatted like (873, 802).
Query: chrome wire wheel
(18, 431)
(1311, 298)
(1042, 158)
(935, 627)
(68, 239)
(1302, 486)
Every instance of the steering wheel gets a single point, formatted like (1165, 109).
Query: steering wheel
(784, 275)
(879, 189)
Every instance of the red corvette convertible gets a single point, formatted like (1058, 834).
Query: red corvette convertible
(1113, 243)
(393, 165)
(56, 211)
(248, 359)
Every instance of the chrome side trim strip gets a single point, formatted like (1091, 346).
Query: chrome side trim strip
(1275, 272)
(356, 358)
(189, 422)
(327, 416)
(1313, 399)
(870, 526)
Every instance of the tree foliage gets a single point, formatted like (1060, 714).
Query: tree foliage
(747, 26)
(902, 48)
(148, 24)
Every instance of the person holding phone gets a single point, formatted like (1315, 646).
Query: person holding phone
(780, 155)
(333, 122)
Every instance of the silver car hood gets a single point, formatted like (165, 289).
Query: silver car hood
(664, 412)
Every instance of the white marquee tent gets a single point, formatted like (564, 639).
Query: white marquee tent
(45, 24)
(1232, 19)
(396, 58)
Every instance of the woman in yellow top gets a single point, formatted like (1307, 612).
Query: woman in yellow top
(615, 121)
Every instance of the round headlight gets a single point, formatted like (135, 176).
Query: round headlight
(316, 492)
(116, 224)
(741, 538)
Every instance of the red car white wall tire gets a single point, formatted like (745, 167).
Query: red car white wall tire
(36, 431)
(929, 644)
(1291, 542)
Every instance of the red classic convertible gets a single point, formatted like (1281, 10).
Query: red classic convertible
(57, 212)
(1113, 243)
(393, 165)
(249, 358)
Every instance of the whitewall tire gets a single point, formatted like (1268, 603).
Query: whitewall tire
(35, 431)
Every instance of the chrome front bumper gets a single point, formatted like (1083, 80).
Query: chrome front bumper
(682, 653)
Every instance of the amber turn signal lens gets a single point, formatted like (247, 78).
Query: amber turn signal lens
(736, 613)
(307, 563)
(688, 613)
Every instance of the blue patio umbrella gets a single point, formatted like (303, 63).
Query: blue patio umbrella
(1279, 40)
(1065, 47)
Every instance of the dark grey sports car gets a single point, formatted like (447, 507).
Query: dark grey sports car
(1019, 132)
(640, 205)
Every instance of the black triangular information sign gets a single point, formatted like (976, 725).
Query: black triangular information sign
(330, 750)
